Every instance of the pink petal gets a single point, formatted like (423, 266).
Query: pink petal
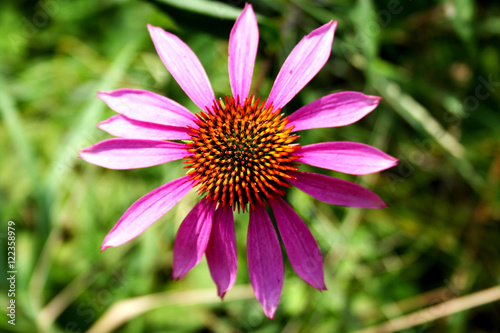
(184, 66)
(348, 157)
(303, 251)
(335, 191)
(303, 63)
(127, 128)
(334, 110)
(265, 263)
(132, 153)
(146, 211)
(146, 106)
(192, 238)
(243, 44)
(221, 251)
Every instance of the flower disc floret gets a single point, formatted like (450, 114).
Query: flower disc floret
(240, 153)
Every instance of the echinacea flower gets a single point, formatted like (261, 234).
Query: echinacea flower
(241, 152)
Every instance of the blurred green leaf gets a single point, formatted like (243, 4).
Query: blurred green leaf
(79, 134)
(422, 120)
(17, 132)
(461, 13)
(205, 7)
(367, 28)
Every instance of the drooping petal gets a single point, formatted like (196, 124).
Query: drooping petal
(348, 157)
(301, 247)
(265, 263)
(192, 238)
(132, 153)
(146, 211)
(127, 128)
(147, 106)
(335, 191)
(243, 43)
(333, 110)
(221, 251)
(184, 66)
(303, 63)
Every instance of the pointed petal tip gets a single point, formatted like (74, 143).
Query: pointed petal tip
(221, 294)
(390, 163)
(394, 161)
(105, 95)
(100, 94)
(102, 125)
(153, 29)
(321, 287)
(104, 246)
(107, 243)
(330, 25)
(375, 100)
(83, 154)
(318, 283)
(270, 312)
(179, 275)
(379, 204)
(248, 6)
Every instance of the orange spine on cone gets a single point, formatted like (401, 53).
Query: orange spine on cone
(241, 152)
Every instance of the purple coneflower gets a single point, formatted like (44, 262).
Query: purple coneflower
(241, 152)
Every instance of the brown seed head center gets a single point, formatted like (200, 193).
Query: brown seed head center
(240, 153)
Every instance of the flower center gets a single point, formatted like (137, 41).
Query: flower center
(241, 152)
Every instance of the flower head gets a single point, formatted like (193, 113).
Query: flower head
(241, 153)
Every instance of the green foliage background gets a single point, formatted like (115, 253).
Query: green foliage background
(436, 65)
